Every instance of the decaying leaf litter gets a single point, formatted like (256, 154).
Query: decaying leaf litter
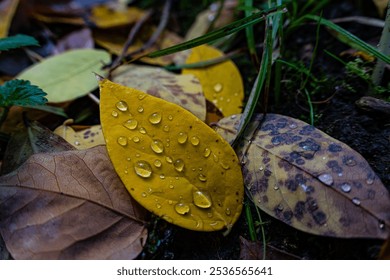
(309, 198)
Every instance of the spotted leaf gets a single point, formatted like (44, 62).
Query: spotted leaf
(170, 161)
(183, 90)
(222, 82)
(309, 180)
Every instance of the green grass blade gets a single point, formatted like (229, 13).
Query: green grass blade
(219, 33)
(350, 39)
(250, 37)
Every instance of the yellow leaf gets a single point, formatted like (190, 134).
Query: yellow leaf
(170, 161)
(183, 90)
(381, 6)
(104, 17)
(7, 11)
(81, 139)
(222, 83)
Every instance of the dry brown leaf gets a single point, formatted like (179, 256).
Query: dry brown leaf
(7, 11)
(381, 6)
(309, 180)
(69, 205)
(253, 250)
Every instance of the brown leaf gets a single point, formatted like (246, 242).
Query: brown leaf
(69, 205)
(250, 250)
(309, 180)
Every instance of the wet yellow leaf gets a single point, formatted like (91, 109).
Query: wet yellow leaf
(104, 17)
(81, 139)
(170, 161)
(115, 42)
(183, 90)
(222, 83)
(7, 11)
(309, 180)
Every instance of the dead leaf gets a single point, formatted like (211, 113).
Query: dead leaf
(385, 251)
(183, 90)
(309, 180)
(381, 6)
(69, 205)
(222, 82)
(106, 17)
(81, 139)
(253, 250)
(170, 161)
(7, 11)
(33, 138)
(79, 39)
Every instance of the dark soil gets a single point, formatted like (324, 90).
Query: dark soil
(337, 115)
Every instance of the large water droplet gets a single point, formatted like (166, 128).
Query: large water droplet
(194, 140)
(140, 109)
(142, 168)
(162, 176)
(155, 118)
(179, 165)
(201, 199)
(121, 106)
(122, 141)
(114, 114)
(141, 96)
(157, 146)
(182, 137)
(350, 162)
(326, 178)
(202, 177)
(157, 163)
(356, 201)
(206, 152)
(130, 124)
(218, 87)
(135, 139)
(182, 208)
(169, 159)
(142, 130)
(346, 187)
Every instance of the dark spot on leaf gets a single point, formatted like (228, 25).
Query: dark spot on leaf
(334, 165)
(371, 194)
(306, 130)
(265, 199)
(334, 148)
(299, 210)
(282, 123)
(287, 215)
(309, 145)
(267, 173)
(319, 217)
(291, 185)
(266, 160)
(345, 221)
(285, 165)
(311, 204)
(300, 161)
(309, 190)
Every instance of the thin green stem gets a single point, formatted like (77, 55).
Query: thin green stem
(310, 106)
(251, 225)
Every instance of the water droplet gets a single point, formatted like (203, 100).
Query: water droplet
(171, 186)
(142, 130)
(141, 96)
(155, 118)
(261, 168)
(206, 152)
(350, 162)
(201, 199)
(381, 224)
(162, 176)
(157, 163)
(114, 114)
(169, 159)
(128, 159)
(130, 124)
(166, 128)
(292, 125)
(121, 106)
(370, 181)
(209, 214)
(158, 205)
(182, 137)
(346, 187)
(137, 155)
(202, 177)
(233, 117)
(218, 87)
(140, 109)
(194, 140)
(170, 202)
(170, 117)
(215, 158)
(142, 168)
(126, 172)
(356, 201)
(77, 143)
(228, 212)
(157, 146)
(326, 178)
(224, 165)
(136, 139)
(122, 141)
(276, 187)
(182, 208)
(143, 194)
(280, 207)
(179, 165)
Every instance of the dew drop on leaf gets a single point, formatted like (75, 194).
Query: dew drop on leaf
(122, 141)
(121, 106)
(140, 109)
(182, 208)
(218, 87)
(166, 128)
(201, 199)
(114, 114)
(202, 177)
(157, 163)
(326, 178)
(142, 130)
(136, 139)
(356, 201)
(162, 176)
(131, 124)
(158, 205)
(179, 165)
(206, 152)
(155, 118)
(195, 140)
(346, 187)
(170, 117)
(157, 146)
(182, 137)
(143, 194)
(169, 159)
(228, 212)
(143, 169)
